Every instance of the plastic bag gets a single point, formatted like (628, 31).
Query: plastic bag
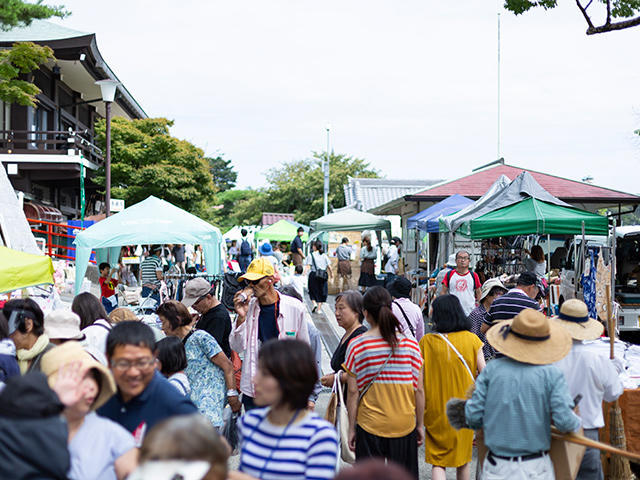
(230, 429)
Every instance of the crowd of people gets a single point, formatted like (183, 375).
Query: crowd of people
(141, 403)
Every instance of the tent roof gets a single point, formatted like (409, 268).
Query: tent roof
(350, 219)
(151, 221)
(534, 216)
(21, 270)
(501, 194)
(427, 220)
(281, 231)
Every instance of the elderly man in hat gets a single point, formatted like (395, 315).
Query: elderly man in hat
(518, 395)
(214, 318)
(409, 314)
(263, 314)
(590, 374)
(491, 289)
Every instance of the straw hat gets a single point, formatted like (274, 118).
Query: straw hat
(574, 316)
(488, 285)
(63, 325)
(70, 352)
(530, 338)
(122, 314)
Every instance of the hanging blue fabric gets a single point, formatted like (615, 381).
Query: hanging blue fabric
(589, 286)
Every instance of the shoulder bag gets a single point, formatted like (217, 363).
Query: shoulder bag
(322, 274)
(459, 355)
(342, 422)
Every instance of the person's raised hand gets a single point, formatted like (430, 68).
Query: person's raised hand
(68, 385)
(241, 304)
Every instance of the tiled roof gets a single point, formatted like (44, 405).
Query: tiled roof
(477, 183)
(39, 31)
(367, 193)
(271, 218)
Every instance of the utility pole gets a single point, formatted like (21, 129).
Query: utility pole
(325, 171)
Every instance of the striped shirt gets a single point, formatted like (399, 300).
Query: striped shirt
(149, 267)
(388, 407)
(509, 305)
(308, 449)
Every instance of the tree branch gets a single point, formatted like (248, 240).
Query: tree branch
(608, 22)
(610, 27)
(586, 17)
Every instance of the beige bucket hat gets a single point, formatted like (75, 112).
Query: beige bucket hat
(70, 352)
(530, 337)
(574, 316)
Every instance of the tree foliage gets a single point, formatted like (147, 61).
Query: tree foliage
(18, 13)
(297, 187)
(23, 57)
(237, 207)
(147, 160)
(618, 14)
(222, 172)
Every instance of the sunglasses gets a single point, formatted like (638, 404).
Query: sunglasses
(254, 282)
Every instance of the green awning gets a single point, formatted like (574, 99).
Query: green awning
(532, 216)
(20, 270)
(281, 231)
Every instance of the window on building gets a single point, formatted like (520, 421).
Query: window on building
(5, 119)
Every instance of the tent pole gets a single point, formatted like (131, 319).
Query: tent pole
(549, 272)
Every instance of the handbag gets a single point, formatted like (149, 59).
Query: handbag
(342, 423)
(322, 274)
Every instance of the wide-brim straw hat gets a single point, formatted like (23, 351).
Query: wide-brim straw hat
(530, 337)
(70, 352)
(488, 285)
(574, 316)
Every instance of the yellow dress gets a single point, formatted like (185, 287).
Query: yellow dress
(445, 377)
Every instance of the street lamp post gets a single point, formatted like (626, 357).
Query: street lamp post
(325, 171)
(108, 89)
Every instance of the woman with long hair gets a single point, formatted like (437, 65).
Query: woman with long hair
(535, 262)
(386, 397)
(319, 273)
(453, 358)
(285, 439)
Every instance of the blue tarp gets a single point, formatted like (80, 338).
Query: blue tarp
(427, 220)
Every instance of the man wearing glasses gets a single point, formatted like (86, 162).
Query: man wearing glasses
(263, 314)
(144, 396)
(463, 283)
(214, 319)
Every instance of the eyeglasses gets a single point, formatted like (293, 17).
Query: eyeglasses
(254, 282)
(201, 298)
(463, 258)
(140, 364)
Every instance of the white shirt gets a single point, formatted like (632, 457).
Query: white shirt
(96, 339)
(392, 264)
(298, 282)
(590, 373)
(321, 261)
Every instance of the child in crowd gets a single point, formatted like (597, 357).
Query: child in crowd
(173, 360)
(108, 286)
(297, 280)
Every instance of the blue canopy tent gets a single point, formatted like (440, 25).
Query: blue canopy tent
(427, 220)
(152, 221)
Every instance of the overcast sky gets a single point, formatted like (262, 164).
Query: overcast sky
(408, 85)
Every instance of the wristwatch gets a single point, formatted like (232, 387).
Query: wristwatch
(232, 393)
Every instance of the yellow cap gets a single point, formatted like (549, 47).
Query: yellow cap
(259, 268)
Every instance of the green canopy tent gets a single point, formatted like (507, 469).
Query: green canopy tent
(281, 231)
(152, 221)
(533, 216)
(349, 220)
(20, 270)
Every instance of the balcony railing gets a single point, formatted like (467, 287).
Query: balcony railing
(49, 142)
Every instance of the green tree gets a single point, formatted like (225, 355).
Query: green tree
(146, 160)
(618, 14)
(222, 172)
(23, 57)
(297, 187)
(236, 207)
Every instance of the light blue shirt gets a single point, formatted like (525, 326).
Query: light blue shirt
(514, 404)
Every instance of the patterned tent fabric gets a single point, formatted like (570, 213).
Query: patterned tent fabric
(603, 278)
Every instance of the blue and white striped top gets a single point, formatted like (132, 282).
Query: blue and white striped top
(308, 451)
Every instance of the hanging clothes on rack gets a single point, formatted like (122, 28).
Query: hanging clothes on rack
(589, 284)
(603, 278)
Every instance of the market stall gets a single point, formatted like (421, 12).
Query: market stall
(282, 231)
(346, 222)
(20, 270)
(152, 221)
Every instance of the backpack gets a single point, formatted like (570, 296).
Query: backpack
(245, 248)
(230, 286)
